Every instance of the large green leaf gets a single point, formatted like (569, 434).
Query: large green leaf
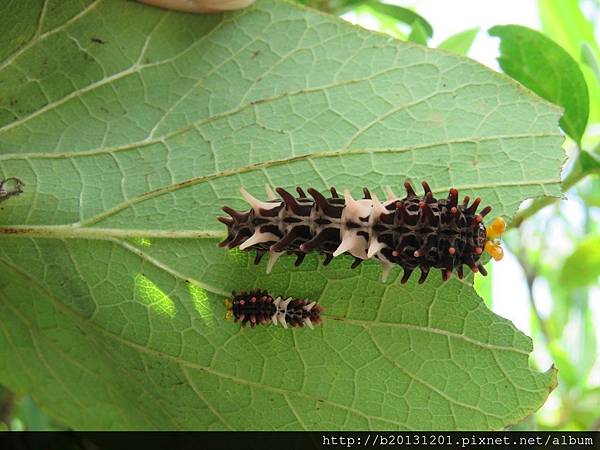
(546, 68)
(418, 34)
(131, 126)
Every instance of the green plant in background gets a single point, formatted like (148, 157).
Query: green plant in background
(110, 284)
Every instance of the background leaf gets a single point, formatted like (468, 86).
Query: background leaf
(404, 15)
(582, 267)
(460, 42)
(418, 33)
(131, 126)
(563, 21)
(545, 68)
(589, 58)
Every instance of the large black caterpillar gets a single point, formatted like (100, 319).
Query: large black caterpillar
(414, 232)
(258, 307)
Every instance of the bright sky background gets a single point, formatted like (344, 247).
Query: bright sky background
(450, 17)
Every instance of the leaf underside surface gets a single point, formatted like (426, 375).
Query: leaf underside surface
(131, 126)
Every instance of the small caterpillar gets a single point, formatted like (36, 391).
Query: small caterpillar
(414, 232)
(259, 307)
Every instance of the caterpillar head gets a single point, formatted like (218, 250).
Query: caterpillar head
(492, 241)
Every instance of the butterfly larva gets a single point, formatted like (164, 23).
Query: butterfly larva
(413, 232)
(259, 307)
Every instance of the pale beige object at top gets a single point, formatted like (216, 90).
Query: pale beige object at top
(200, 6)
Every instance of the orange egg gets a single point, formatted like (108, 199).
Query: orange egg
(496, 228)
(494, 250)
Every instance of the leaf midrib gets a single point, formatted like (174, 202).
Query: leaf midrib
(198, 180)
(84, 229)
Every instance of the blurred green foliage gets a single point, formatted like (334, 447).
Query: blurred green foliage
(564, 332)
(565, 22)
(460, 42)
(544, 67)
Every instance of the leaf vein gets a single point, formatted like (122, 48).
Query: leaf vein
(310, 156)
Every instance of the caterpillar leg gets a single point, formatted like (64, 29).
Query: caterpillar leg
(389, 193)
(270, 194)
(273, 257)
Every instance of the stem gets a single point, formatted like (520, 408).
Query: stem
(531, 273)
(537, 205)
(575, 176)
(530, 278)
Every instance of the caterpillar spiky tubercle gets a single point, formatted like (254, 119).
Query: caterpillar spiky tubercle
(413, 232)
(259, 307)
